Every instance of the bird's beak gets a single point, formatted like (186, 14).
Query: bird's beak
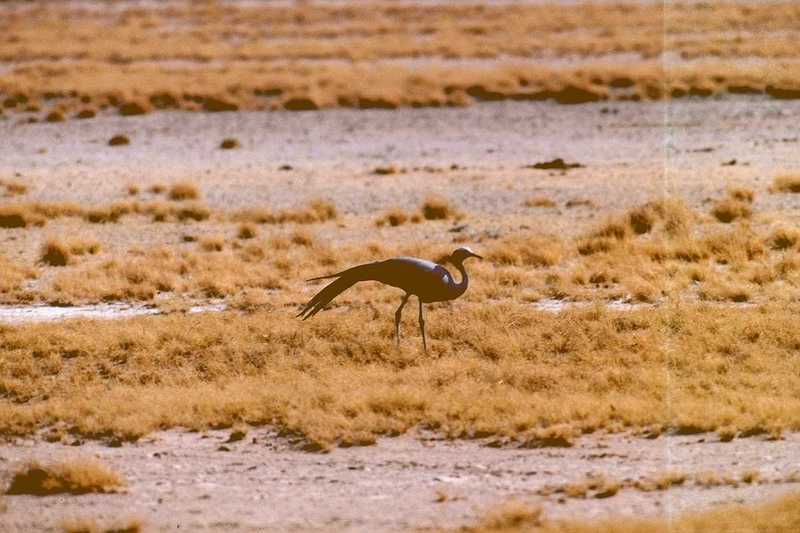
(476, 255)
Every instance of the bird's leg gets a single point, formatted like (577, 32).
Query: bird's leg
(422, 327)
(397, 315)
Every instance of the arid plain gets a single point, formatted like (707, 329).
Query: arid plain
(626, 357)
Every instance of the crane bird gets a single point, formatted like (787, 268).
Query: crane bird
(428, 281)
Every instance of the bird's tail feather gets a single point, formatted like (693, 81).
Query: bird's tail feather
(346, 279)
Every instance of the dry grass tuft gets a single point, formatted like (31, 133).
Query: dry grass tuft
(386, 170)
(730, 209)
(247, 230)
(184, 190)
(229, 144)
(77, 476)
(527, 250)
(13, 187)
(108, 214)
(393, 217)
(132, 189)
(720, 291)
(212, 243)
(786, 183)
(86, 525)
(119, 140)
(82, 245)
(742, 194)
(539, 201)
(783, 238)
(55, 252)
(579, 202)
(437, 208)
(512, 516)
(315, 211)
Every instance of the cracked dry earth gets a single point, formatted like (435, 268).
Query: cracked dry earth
(200, 481)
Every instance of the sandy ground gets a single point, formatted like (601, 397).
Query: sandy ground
(190, 481)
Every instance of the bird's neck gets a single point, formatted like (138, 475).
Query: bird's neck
(460, 287)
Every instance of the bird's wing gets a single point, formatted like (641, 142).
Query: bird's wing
(344, 281)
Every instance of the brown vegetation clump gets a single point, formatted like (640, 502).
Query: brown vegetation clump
(579, 202)
(730, 209)
(13, 187)
(527, 250)
(247, 230)
(786, 183)
(54, 116)
(184, 190)
(107, 214)
(437, 208)
(229, 144)
(539, 201)
(742, 194)
(12, 275)
(18, 216)
(393, 217)
(180, 211)
(385, 170)
(119, 140)
(512, 516)
(315, 211)
(77, 476)
(55, 252)
(212, 243)
(81, 245)
(85, 113)
(783, 238)
(86, 525)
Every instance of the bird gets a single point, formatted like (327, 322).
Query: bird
(428, 281)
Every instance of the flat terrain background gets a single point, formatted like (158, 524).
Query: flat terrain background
(627, 349)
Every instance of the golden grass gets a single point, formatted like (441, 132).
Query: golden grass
(21, 215)
(731, 209)
(12, 276)
(13, 187)
(781, 515)
(183, 190)
(60, 252)
(212, 243)
(395, 217)
(742, 194)
(88, 525)
(786, 183)
(315, 211)
(341, 56)
(437, 208)
(647, 254)
(539, 201)
(501, 370)
(55, 253)
(247, 230)
(76, 476)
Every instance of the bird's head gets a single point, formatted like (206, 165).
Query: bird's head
(460, 254)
